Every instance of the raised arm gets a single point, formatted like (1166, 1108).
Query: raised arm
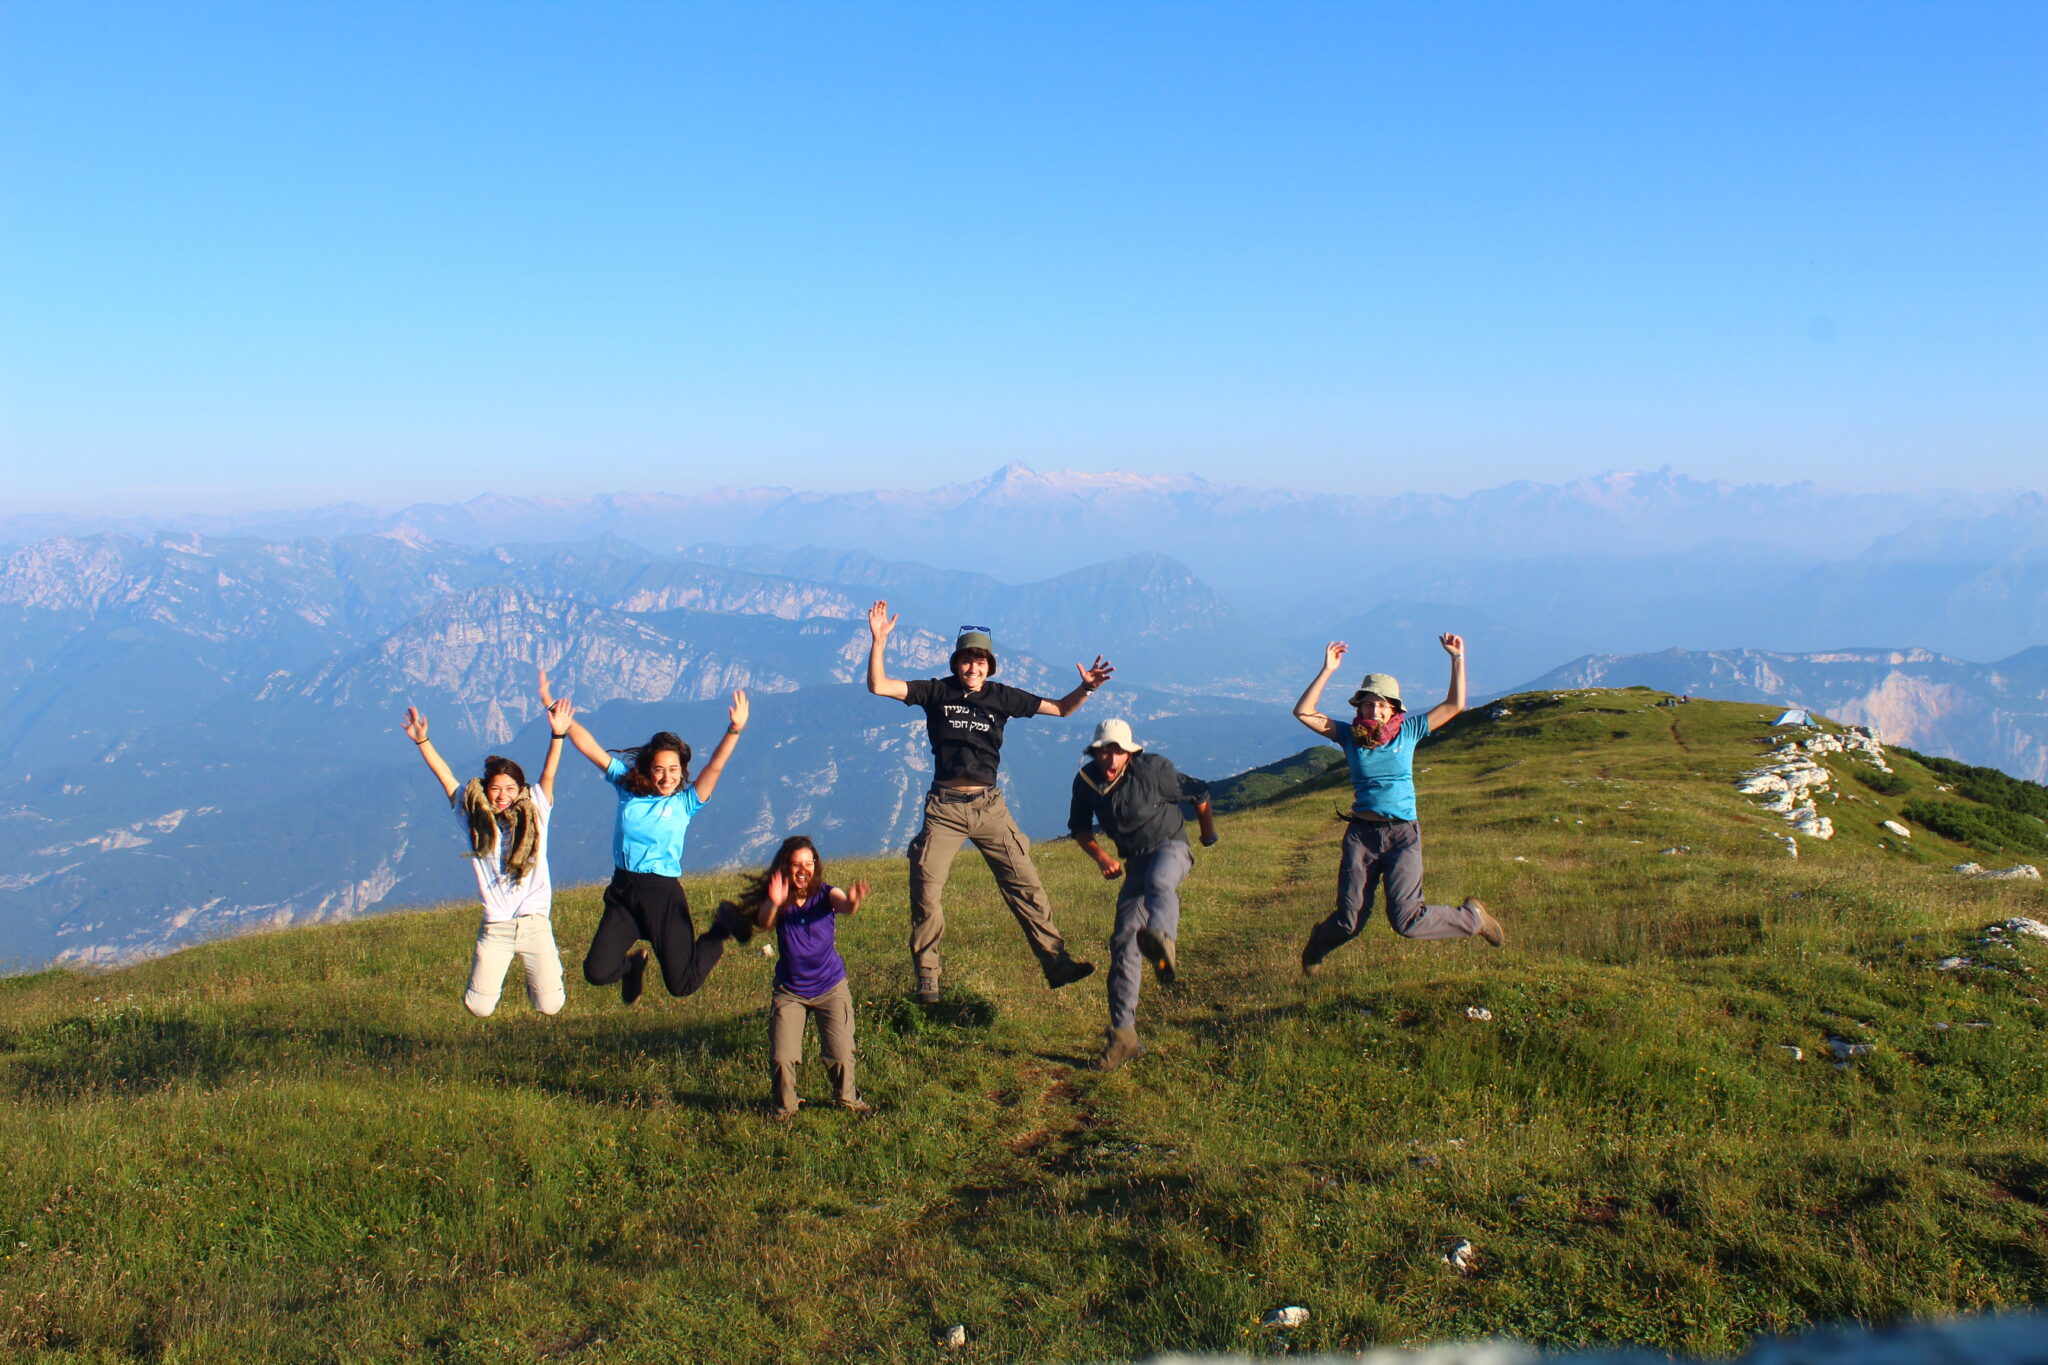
(1305, 709)
(1446, 710)
(707, 780)
(416, 731)
(1091, 678)
(561, 715)
(846, 900)
(880, 623)
(774, 899)
(585, 742)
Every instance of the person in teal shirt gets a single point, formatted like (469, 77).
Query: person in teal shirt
(1383, 843)
(645, 899)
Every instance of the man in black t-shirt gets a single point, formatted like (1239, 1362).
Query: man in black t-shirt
(964, 716)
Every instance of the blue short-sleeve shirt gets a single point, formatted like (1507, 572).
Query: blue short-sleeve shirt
(1383, 779)
(648, 834)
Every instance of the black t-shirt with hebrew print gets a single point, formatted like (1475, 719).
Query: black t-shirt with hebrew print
(966, 728)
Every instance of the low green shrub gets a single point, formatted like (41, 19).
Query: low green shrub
(1981, 827)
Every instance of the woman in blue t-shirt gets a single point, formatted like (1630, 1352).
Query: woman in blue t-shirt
(645, 897)
(810, 977)
(1384, 843)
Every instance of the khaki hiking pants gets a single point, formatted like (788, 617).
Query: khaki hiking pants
(786, 1013)
(982, 819)
(531, 939)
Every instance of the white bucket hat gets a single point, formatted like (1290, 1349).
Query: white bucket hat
(1115, 734)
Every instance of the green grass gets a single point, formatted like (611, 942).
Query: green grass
(299, 1147)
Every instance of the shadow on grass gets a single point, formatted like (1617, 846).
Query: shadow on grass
(137, 1052)
(956, 1009)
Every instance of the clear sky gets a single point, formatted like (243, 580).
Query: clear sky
(273, 254)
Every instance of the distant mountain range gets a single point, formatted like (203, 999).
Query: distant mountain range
(1784, 566)
(200, 722)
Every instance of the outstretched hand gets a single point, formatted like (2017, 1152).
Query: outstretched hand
(547, 696)
(1333, 654)
(1095, 676)
(778, 887)
(854, 894)
(561, 715)
(415, 725)
(880, 622)
(1454, 645)
(738, 710)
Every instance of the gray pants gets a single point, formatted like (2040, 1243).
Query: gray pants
(984, 821)
(1148, 902)
(531, 939)
(786, 1012)
(1385, 855)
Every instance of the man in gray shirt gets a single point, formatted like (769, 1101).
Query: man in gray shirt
(1136, 798)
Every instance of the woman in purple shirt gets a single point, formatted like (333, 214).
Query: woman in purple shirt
(810, 977)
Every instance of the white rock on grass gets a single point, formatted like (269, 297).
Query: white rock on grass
(1953, 964)
(1898, 829)
(1293, 1315)
(1797, 1054)
(1846, 1051)
(954, 1337)
(1479, 1012)
(2022, 925)
(1460, 1256)
(2022, 872)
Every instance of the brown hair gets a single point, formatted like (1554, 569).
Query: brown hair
(755, 894)
(972, 652)
(639, 778)
(521, 845)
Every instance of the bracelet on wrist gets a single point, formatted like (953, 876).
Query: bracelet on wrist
(554, 738)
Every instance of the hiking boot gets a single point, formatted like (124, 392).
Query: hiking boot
(783, 1115)
(1119, 1045)
(927, 988)
(635, 980)
(1066, 972)
(1160, 953)
(1310, 966)
(1489, 927)
(730, 923)
(857, 1106)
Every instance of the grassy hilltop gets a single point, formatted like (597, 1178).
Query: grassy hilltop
(299, 1147)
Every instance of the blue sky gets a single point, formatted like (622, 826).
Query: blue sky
(275, 254)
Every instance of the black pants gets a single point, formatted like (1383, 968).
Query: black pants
(647, 905)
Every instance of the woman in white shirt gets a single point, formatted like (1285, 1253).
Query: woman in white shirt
(506, 824)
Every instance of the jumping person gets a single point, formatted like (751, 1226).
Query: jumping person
(810, 977)
(1136, 797)
(506, 824)
(964, 718)
(1383, 845)
(645, 898)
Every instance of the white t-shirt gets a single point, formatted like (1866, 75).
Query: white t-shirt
(503, 899)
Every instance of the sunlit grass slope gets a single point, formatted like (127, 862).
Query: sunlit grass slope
(299, 1147)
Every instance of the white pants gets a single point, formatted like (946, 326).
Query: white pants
(531, 939)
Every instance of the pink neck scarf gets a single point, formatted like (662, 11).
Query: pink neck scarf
(1372, 736)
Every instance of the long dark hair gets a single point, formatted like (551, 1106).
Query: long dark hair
(639, 778)
(521, 845)
(755, 895)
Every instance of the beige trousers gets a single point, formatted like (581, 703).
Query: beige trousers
(984, 821)
(786, 1012)
(531, 939)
